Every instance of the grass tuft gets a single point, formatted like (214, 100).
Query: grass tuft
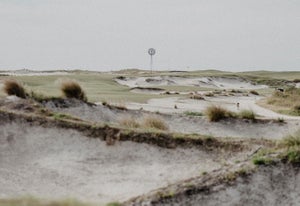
(71, 89)
(155, 123)
(292, 140)
(253, 92)
(129, 122)
(197, 114)
(217, 113)
(12, 87)
(261, 160)
(247, 114)
(288, 101)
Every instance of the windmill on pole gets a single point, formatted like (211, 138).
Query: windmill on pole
(151, 52)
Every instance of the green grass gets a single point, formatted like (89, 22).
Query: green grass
(102, 87)
(292, 140)
(98, 87)
(260, 160)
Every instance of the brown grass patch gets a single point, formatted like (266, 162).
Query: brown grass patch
(71, 89)
(155, 122)
(129, 122)
(217, 113)
(12, 87)
(288, 100)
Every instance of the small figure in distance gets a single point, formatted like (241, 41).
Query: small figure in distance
(175, 106)
(238, 105)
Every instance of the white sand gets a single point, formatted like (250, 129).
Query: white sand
(57, 163)
(269, 186)
(166, 105)
(207, 82)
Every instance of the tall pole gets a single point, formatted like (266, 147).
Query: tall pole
(151, 63)
(151, 52)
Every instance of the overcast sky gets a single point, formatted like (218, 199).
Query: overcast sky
(235, 35)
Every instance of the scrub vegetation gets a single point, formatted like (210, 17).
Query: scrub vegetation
(288, 101)
(12, 87)
(71, 89)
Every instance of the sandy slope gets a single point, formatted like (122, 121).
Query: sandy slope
(166, 105)
(185, 124)
(269, 186)
(60, 163)
(207, 82)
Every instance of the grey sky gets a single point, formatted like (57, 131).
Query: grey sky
(102, 35)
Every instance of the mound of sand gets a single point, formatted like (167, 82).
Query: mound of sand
(206, 82)
(60, 163)
(269, 186)
(180, 122)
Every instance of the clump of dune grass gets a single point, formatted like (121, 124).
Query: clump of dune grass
(129, 122)
(287, 100)
(191, 113)
(292, 140)
(253, 92)
(12, 87)
(217, 113)
(247, 114)
(155, 122)
(71, 89)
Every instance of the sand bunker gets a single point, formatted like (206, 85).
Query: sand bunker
(59, 163)
(166, 105)
(269, 186)
(206, 82)
(183, 123)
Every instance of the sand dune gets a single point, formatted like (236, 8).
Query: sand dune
(207, 82)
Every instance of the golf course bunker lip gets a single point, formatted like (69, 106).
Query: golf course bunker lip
(206, 82)
(149, 90)
(267, 185)
(53, 162)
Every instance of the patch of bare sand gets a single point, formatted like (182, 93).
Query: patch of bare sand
(179, 122)
(269, 186)
(207, 82)
(185, 124)
(60, 163)
(166, 105)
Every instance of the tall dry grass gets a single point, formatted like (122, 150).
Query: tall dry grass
(12, 87)
(217, 113)
(155, 122)
(71, 89)
(129, 122)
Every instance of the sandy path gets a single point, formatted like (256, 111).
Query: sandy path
(166, 105)
(58, 163)
(179, 122)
